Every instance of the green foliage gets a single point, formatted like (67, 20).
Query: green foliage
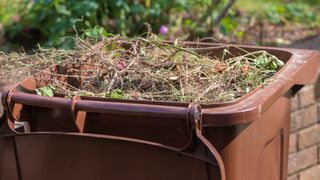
(275, 13)
(310, 2)
(291, 12)
(96, 32)
(54, 19)
(8, 13)
(268, 62)
(228, 24)
(117, 94)
(46, 91)
(55, 22)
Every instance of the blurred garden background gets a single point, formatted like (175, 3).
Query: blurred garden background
(54, 23)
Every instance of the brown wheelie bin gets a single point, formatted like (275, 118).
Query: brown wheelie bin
(246, 139)
(61, 155)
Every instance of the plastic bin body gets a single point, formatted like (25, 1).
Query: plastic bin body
(257, 149)
(251, 134)
(60, 156)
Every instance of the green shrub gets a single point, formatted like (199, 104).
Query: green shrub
(54, 19)
(291, 12)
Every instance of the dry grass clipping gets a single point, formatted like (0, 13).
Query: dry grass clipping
(148, 69)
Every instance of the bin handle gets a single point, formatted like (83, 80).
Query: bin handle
(77, 105)
(6, 102)
(192, 113)
(196, 121)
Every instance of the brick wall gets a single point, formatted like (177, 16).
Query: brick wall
(304, 157)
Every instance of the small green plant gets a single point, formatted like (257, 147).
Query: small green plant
(117, 94)
(96, 32)
(268, 62)
(46, 91)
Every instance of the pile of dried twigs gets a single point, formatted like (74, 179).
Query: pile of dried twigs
(149, 69)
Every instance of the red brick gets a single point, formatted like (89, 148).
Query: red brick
(319, 154)
(304, 117)
(295, 103)
(317, 88)
(312, 173)
(1, 109)
(319, 110)
(302, 159)
(307, 96)
(309, 136)
(293, 143)
(293, 177)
